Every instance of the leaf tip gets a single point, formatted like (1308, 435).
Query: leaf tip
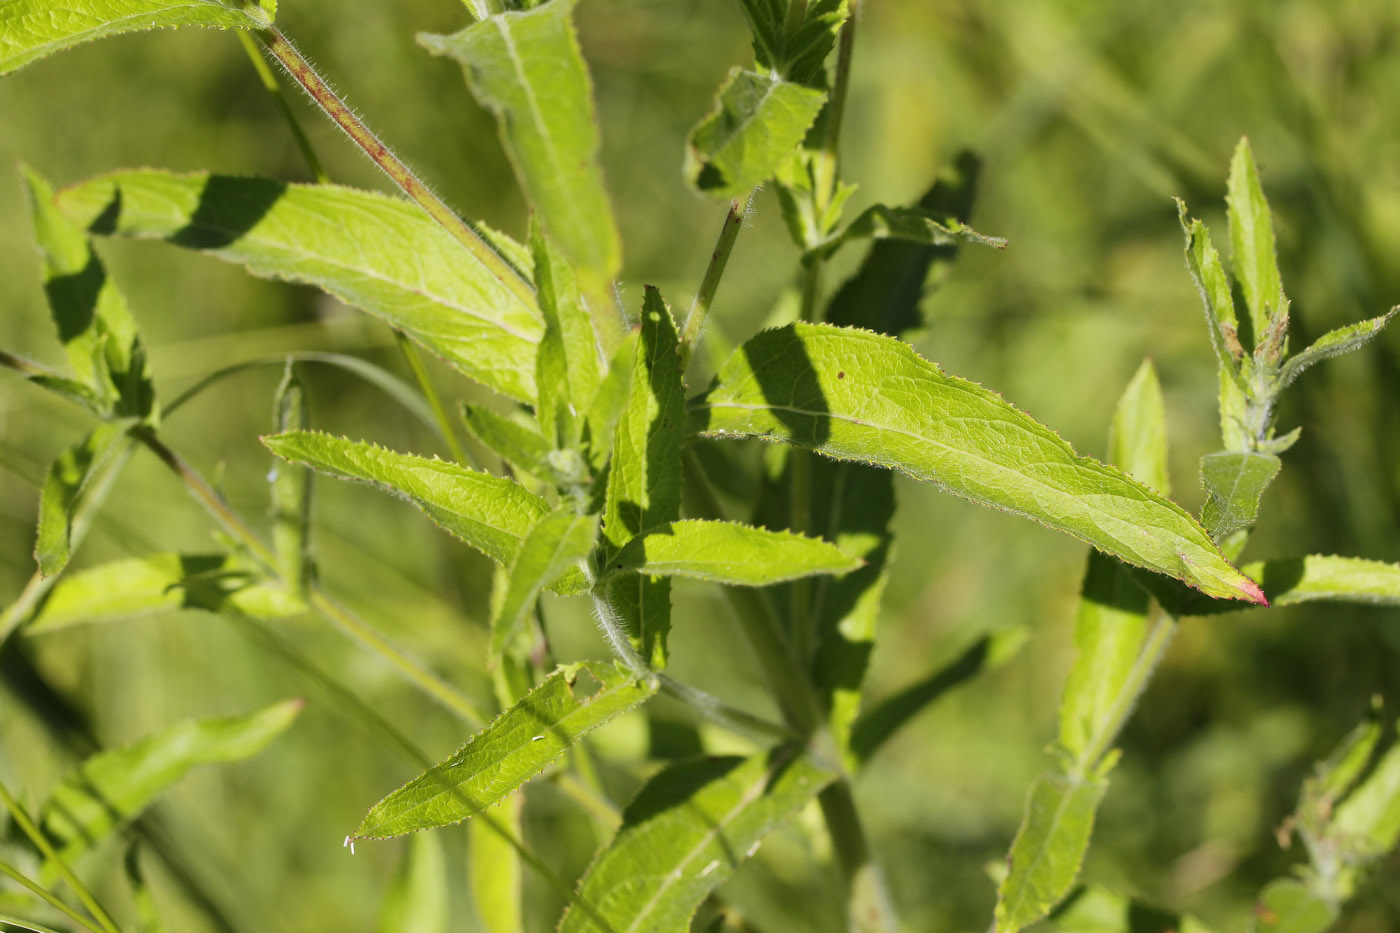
(1251, 591)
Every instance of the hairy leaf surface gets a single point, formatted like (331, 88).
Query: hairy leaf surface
(97, 331)
(64, 482)
(158, 583)
(855, 395)
(1252, 239)
(758, 122)
(685, 833)
(377, 253)
(644, 483)
(32, 29)
(507, 753)
(1234, 482)
(1334, 343)
(111, 787)
(1049, 849)
(731, 553)
(527, 67)
(491, 513)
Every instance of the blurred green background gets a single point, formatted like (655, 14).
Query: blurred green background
(1089, 116)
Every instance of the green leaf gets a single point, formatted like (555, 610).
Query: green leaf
(377, 253)
(65, 481)
(729, 553)
(569, 367)
(1137, 438)
(291, 489)
(1343, 768)
(557, 543)
(1287, 906)
(644, 484)
(1206, 270)
(512, 438)
(112, 787)
(1109, 630)
(1252, 238)
(491, 513)
(757, 124)
(800, 54)
(528, 69)
(1233, 482)
(1369, 818)
(917, 225)
(686, 832)
(1326, 577)
(1334, 343)
(854, 395)
(97, 331)
(418, 896)
(507, 753)
(609, 402)
(1049, 849)
(494, 869)
(32, 29)
(143, 586)
(885, 292)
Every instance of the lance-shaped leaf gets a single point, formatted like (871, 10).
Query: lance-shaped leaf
(554, 545)
(569, 367)
(418, 897)
(510, 751)
(1233, 482)
(493, 869)
(111, 787)
(1327, 577)
(758, 122)
(730, 553)
(65, 481)
(491, 513)
(644, 483)
(511, 437)
(855, 395)
(1049, 849)
(686, 832)
(798, 54)
(377, 253)
(528, 69)
(94, 325)
(1334, 343)
(32, 29)
(1252, 239)
(291, 488)
(158, 583)
(1288, 906)
(882, 222)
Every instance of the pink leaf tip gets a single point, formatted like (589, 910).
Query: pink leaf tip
(1250, 590)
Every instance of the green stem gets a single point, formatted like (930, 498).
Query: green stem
(827, 161)
(1153, 648)
(425, 382)
(54, 902)
(269, 81)
(400, 174)
(22, 820)
(704, 298)
(324, 605)
(26, 924)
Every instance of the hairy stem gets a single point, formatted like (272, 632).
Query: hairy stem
(22, 820)
(828, 160)
(704, 298)
(269, 81)
(399, 173)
